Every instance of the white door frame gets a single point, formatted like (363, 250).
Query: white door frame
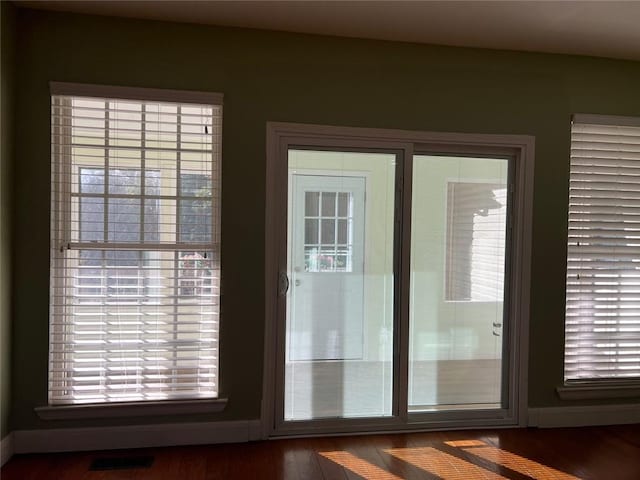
(284, 136)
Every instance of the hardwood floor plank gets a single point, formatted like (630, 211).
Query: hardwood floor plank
(330, 470)
(375, 449)
(305, 459)
(217, 464)
(593, 453)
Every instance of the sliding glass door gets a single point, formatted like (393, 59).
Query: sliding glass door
(395, 304)
(339, 325)
(458, 249)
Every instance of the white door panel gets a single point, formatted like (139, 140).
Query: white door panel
(326, 268)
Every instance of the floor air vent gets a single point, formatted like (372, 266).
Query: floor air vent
(121, 463)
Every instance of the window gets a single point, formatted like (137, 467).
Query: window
(602, 331)
(476, 219)
(135, 245)
(328, 231)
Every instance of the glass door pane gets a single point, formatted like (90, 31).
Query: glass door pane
(459, 214)
(339, 326)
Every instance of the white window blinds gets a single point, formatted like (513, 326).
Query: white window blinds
(476, 225)
(135, 248)
(602, 331)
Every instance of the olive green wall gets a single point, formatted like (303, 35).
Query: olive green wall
(7, 71)
(307, 79)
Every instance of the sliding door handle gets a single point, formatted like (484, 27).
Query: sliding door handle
(283, 284)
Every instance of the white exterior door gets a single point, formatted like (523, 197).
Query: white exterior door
(326, 267)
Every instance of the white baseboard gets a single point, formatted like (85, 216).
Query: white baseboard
(584, 416)
(164, 435)
(6, 449)
(139, 436)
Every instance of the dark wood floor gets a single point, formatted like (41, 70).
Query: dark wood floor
(599, 453)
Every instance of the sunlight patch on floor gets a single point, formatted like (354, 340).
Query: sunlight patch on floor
(448, 466)
(359, 466)
(519, 464)
(444, 465)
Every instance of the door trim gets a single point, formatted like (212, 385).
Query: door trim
(281, 137)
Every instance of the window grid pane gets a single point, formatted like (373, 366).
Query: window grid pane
(135, 257)
(328, 237)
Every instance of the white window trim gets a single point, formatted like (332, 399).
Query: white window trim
(132, 409)
(602, 389)
(134, 93)
(614, 120)
(138, 408)
(605, 388)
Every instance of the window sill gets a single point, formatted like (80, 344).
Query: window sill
(131, 409)
(596, 390)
